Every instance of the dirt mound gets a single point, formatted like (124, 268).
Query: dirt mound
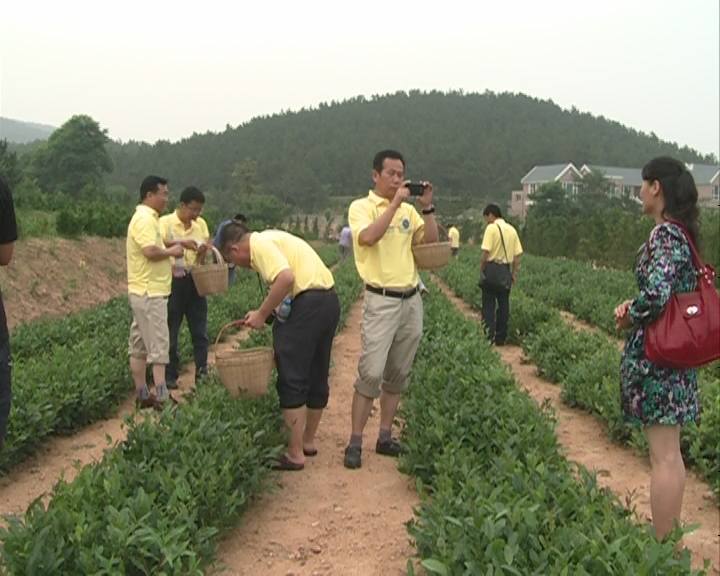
(52, 277)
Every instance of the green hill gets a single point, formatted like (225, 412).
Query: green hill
(470, 145)
(19, 132)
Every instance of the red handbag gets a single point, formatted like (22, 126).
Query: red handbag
(687, 334)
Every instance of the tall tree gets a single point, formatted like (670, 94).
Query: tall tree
(74, 160)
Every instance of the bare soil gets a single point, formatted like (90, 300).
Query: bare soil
(584, 440)
(55, 277)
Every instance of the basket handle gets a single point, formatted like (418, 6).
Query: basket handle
(218, 257)
(233, 324)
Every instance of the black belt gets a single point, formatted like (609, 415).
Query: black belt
(393, 293)
(310, 290)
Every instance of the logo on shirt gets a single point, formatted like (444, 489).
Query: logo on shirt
(405, 223)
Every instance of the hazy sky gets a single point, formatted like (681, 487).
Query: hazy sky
(155, 70)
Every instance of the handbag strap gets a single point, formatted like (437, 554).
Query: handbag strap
(503, 243)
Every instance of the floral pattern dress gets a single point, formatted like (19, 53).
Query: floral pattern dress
(652, 394)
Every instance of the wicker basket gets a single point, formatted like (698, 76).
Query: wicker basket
(211, 278)
(244, 372)
(431, 256)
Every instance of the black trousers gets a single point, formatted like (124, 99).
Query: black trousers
(303, 345)
(496, 324)
(185, 302)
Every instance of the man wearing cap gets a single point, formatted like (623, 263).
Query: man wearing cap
(384, 229)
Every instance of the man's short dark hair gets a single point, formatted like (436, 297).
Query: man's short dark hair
(192, 194)
(379, 159)
(231, 234)
(151, 184)
(493, 209)
(240, 217)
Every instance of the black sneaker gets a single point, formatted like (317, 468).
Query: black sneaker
(353, 457)
(390, 447)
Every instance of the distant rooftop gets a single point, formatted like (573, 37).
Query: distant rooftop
(703, 174)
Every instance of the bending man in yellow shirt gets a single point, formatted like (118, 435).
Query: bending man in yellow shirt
(384, 228)
(303, 341)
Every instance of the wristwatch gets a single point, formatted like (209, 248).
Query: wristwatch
(430, 210)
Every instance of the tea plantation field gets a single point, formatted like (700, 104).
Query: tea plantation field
(586, 363)
(497, 495)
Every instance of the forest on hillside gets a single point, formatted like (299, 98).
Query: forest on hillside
(474, 147)
(280, 169)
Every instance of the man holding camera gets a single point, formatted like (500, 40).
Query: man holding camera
(384, 228)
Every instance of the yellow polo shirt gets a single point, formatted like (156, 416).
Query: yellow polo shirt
(390, 262)
(273, 251)
(454, 235)
(170, 223)
(492, 243)
(145, 276)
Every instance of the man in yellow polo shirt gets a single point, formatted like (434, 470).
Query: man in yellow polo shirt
(384, 228)
(309, 310)
(454, 236)
(501, 250)
(185, 224)
(149, 274)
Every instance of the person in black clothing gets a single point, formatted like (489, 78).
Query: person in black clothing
(8, 235)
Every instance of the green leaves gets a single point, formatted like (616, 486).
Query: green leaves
(503, 498)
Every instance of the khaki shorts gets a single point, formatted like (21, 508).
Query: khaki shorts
(390, 335)
(149, 335)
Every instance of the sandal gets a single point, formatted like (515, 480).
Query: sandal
(312, 452)
(284, 463)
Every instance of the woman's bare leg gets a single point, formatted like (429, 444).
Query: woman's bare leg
(667, 479)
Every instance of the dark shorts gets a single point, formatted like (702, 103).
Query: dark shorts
(303, 345)
(453, 251)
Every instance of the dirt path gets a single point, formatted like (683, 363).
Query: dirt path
(584, 440)
(37, 475)
(327, 519)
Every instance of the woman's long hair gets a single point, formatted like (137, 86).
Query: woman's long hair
(679, 191)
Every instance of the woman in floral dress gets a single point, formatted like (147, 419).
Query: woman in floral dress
(661, 399)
